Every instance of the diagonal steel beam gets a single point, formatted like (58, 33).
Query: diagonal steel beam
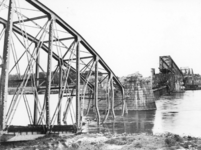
(44, 47)
(69, 29)
(62, 39)
(80, 58)
(30, 19)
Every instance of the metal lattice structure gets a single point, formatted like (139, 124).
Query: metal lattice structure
(46, 63)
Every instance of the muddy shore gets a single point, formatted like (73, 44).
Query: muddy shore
(108, 141)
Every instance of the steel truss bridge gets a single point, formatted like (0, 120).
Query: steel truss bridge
(49, 68)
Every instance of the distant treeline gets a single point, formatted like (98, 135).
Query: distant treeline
(15, 79)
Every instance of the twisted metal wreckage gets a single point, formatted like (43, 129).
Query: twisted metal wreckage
(39, 43)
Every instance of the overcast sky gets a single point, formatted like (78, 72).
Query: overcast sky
(130, 35)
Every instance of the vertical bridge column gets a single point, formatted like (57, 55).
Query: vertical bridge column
(78, 113)
(96, 91)
(37, 84)
(49, 68)
(123, 101)
(60, 92)
(5, 68)
(112, 95)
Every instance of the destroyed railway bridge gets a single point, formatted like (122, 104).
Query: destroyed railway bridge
(34, 41)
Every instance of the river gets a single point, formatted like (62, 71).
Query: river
(178, 113)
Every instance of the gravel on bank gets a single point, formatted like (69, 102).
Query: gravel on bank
(108, 141)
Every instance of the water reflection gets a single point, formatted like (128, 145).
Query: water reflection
(21, 116)
(133, 122)
(177, 113)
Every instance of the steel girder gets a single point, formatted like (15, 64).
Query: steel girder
(62, 23)
(79, 40)
(44, 47)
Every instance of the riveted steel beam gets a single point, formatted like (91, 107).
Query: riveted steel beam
(78, 113)
(37, 84)
(87, 57)
(5, 67)
(60, 92)
(69, 29)
(112, 95)
(49, 71)
(61, 39)
(44, 47)
(96, 90)
(30, 19)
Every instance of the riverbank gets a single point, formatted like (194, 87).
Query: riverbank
(108, 141)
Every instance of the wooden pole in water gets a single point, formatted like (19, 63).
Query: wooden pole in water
(96, 91)
(5, 67)
(49, 69)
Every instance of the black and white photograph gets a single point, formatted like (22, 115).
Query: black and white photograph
(100, 74)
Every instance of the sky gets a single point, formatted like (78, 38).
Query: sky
(130, 35)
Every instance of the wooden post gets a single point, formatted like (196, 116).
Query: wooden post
(37, 84)
(48, 79)
(78, 114)
(96, 91)
(5, 67)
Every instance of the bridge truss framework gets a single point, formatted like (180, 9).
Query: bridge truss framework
(34, 42)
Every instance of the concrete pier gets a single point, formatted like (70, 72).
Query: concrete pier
(138, 95)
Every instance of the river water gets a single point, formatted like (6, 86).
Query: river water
(178, 113)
